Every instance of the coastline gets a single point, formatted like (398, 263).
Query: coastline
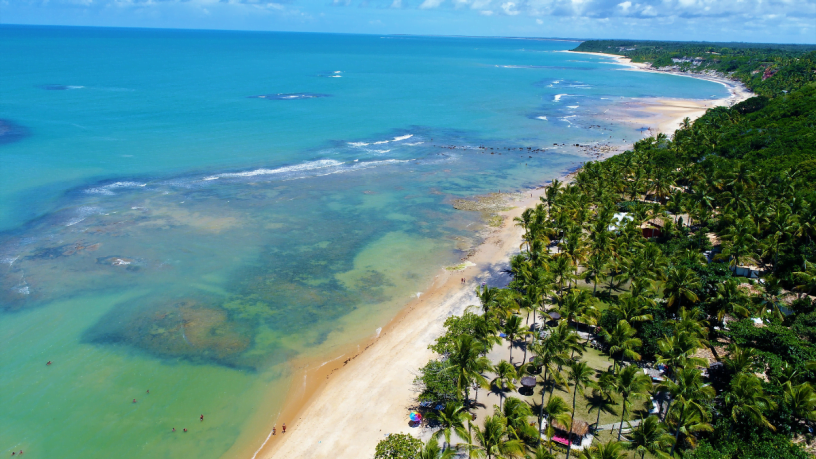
(346, 405)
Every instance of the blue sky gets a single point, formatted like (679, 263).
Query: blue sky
(772, 21)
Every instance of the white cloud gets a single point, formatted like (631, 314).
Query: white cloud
(625, 5)
(396, 4)
(428, 4)
(510, 8)
(486, 13)
(539, 21)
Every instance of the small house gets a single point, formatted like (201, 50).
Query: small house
(652, 228)
(578, 435)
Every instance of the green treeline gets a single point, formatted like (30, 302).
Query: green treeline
(767, 70)
(694, 255)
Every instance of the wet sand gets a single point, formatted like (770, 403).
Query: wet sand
(343, 406)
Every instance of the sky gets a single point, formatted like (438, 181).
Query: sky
(766, 21)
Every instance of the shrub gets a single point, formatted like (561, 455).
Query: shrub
(455, 326)
(435, 384)
(398, 446)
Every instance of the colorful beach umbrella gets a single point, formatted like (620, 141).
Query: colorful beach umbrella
(415, 416)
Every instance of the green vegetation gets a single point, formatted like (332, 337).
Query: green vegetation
(768, 69)
(708, 277)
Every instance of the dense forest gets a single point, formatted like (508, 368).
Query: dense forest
(662, 304)
(767, 69)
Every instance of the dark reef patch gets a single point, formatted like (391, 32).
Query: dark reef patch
(12, 132)
(290, 96)
(189, 328)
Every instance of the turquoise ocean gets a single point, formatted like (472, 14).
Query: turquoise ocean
(187, 212)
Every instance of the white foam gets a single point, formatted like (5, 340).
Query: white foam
(559, 96)
(413, 144)
(381, 142)
(311, 165)
(572, 106)
(335, 76)
(338, 71)
(108, 189)
(541, 118)
(83, 213)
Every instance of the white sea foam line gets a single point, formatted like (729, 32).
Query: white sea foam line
(107, 189)
(413, 144)
(572, 106)
(319, 164)
(381, 142)
(541, 118)
(559, 96)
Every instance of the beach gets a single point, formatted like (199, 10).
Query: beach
(354, 404)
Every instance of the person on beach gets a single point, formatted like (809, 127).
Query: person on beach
(284, 427)
(274, 431)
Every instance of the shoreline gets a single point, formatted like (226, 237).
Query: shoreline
(349, 402)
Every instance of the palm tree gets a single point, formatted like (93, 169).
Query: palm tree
(581, 376)
(505, 375)
(516, 412)
(630, 309)
(807, 278)
(431, 450)
(680, 283)
(688, 386)
(801, 400)
(468, 364)
(689, 418)
(622, 342)
(562, 268)
(602, 398)
(576, 305)
(595, 268)
(650, 436)
(556, 410)
(452, 420)
(492, 441)
(609, 450)
(541, 453)
(741, 359)
(677, 351)
(746, 398)
(631, 383)
(514, 328)
(731, 299)
(549, 356)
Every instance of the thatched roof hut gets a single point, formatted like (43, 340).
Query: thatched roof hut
(579, 427)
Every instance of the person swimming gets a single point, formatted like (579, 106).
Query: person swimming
(202, 417)
(185, 430)
(134, 400)
(49, 363)
(174, 429)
